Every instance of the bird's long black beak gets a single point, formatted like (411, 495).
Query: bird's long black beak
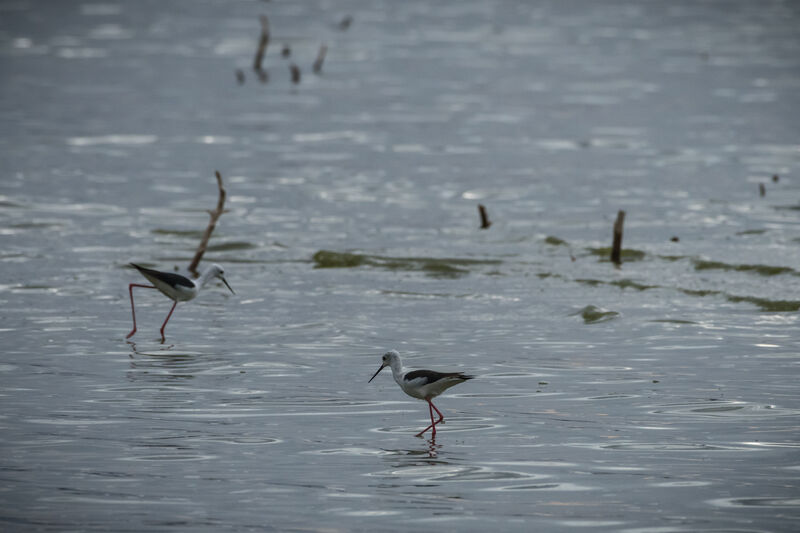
(378, 372)
(225, 281)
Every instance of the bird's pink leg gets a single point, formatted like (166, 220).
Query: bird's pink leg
(441, 416)
(133, 311)
(431, 408)
(167, 320)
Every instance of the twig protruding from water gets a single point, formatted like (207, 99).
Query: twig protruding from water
(295, 73)
(616, 246)
(344, 24)
(212, 223)
(320, 58)
(263, 41)
(485, 222)
(761, 189)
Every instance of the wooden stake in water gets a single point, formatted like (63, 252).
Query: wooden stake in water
(215, 214)
(616, 246)
(485, 222)
(263, 41)
(320, 58)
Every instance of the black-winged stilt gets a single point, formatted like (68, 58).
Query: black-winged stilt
(175, 287)
(421, 384)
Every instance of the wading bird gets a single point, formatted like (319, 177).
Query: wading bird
(421, 384)
(175, 287)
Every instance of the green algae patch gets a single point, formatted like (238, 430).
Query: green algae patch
(672, 258)
(626, 254)
(630, 284)
(555, 241)
(594, 315)
(328, 259)
(621, 283)
(194, 234)
(763, 270)
(699, 292)
(231, 246)
(770, 306)
(430, 266)
(442, 269)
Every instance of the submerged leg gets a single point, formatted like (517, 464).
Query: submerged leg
(167, 320)
(133, 311)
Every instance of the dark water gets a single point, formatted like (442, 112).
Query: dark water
(661, 396)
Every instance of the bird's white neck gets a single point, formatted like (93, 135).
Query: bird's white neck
(204, 277)
(397, 370)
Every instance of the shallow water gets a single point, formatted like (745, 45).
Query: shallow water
(660, 396)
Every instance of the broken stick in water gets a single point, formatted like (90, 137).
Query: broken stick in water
(263, 41)
(215, 214)
(616, 246)
(485, 222)
(320, 58)
(345, 23)
(295, 73)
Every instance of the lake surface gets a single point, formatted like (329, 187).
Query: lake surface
(661, 396)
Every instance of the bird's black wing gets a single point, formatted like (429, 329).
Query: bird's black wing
(431, 376)
(166, 277)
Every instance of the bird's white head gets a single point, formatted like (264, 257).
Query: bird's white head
(390, 358)
(216, 271)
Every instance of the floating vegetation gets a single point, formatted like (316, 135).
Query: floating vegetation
(770, 306)
(764, 270)
(621, 283)
(626, 254)
(592, 314)
(230, 246)
(630, 284)
(672, 258)
(434, 267)
(555, 241)
(194, 234)
(328, 259)
(765, 304)
(751, 232)
(671, 321)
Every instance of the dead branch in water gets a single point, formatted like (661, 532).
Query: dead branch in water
(263, 41)
(215, 214)
(616, 246)
(320, 58)
(295, 70)
(485, 222)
